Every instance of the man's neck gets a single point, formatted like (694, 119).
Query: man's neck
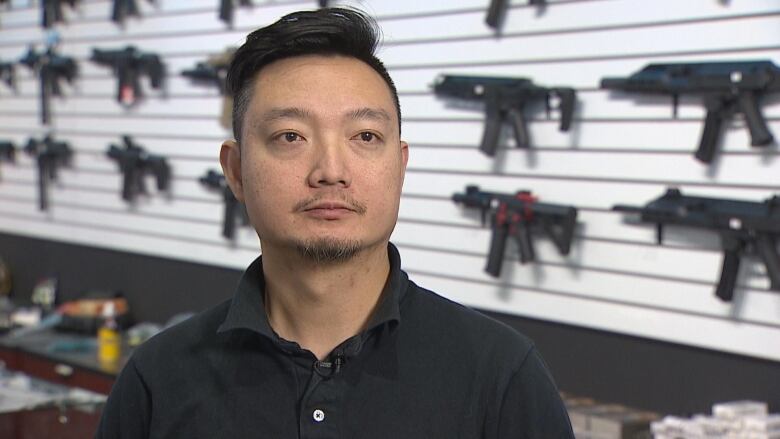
(319, 306)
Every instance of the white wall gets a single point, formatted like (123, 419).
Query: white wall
(618, 152)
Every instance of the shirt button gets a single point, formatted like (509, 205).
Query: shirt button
(318, 415)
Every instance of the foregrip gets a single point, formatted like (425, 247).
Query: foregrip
(709, 136)
(522, 233)
(759, 132)
(495, 11)
(766, 245)
(519, 127)
(226, 10)
(496, 251)
(728, 275)
(493, 119)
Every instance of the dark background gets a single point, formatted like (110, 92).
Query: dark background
(659, 376)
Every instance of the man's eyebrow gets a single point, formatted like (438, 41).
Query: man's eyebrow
(369, 113)
(275, 114)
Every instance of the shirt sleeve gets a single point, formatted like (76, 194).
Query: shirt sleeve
(128, 409)
(532, 407)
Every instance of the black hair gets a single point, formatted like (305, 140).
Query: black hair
(327, 31)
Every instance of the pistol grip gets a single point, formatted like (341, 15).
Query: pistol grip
(709, 136)
(497, 247)
(728, 275)
(493, 119)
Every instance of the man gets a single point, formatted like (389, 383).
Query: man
(325, 336)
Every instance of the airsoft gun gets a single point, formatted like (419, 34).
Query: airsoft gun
(505, 98)
(234, 210)
(726, 88)
(129, 65)
(742, 225)
(517, 215)
(51, 68)
(135, 164)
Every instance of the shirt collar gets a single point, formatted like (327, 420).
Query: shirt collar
(247, 310)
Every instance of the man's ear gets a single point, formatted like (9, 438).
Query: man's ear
(230, 159)
(404, 153)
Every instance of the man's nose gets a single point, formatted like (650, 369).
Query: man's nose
(330, 164)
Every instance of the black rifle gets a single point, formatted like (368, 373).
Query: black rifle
(123, 8)
(213, 72)
(743, 226)
(128, 65)
(8, 75)
(497, 8)
(51, 68)
(505, 98)
(727, 87)
(51, 155)
(226, 9)
(517, 215)
(51, 11)
(134, 164)
(233, 208)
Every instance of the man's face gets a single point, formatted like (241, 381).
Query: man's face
(321, 162)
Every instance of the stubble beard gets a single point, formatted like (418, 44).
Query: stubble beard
(329, 250)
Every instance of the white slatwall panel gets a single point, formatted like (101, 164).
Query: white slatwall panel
(621, 150)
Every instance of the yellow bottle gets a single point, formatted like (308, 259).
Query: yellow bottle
(109, 339)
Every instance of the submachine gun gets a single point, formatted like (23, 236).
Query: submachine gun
(51, 69)
(134, 164)
(727, 88)
(518, 215)
(50, 155)
(743, 226)
(234, 210)
(497, 9)
(213, 72)
(129, 65)
(505, 98)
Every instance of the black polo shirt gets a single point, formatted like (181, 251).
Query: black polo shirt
(425, 367)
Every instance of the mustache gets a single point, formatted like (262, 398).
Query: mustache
(353, 204)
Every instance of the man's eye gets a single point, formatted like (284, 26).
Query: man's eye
(368, 137)
(291, 137)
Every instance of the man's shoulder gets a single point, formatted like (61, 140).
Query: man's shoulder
(432, 313)
(183, 338)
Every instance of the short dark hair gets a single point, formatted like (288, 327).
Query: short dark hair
(327, 31)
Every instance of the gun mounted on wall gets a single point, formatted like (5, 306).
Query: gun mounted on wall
(135, 164)
(129, 65)
(505, 98)
(234, 210)
(51, 69)
(519, 215)
(213, 72)
(743, 226)
(50, 155)
(726, 88)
